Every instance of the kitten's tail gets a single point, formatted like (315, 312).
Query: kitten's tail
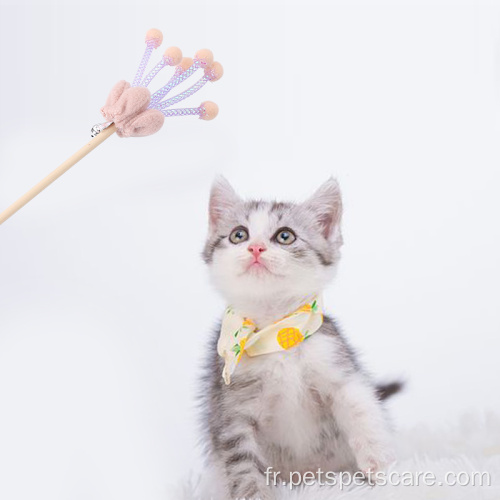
(385, 391)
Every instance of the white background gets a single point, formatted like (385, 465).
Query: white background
(105, 304)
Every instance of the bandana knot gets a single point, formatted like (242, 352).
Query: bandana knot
(239, 334)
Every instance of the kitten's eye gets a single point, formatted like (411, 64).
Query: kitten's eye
(285, 236)
(238, 235)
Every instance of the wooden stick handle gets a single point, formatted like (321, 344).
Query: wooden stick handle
(72, 160)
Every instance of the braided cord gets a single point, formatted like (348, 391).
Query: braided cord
(153, 73)
(182, 111)
(143, 64)
(174, 81)
(183, 95)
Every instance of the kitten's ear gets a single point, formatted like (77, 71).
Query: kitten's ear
(222, 198)
(326, 203)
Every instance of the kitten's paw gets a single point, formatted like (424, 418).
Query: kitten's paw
(371, 466)
(372, 459)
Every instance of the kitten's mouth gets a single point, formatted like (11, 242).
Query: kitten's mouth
(257, 266)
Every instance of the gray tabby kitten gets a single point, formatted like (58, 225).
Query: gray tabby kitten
(298, 410)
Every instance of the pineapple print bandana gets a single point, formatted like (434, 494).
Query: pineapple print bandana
(240, 335)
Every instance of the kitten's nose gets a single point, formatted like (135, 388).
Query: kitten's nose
(257, 249)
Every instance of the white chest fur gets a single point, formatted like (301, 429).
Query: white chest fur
(295, 406)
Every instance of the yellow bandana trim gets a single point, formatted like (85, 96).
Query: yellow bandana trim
(239, 335)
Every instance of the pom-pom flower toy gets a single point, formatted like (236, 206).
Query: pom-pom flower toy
(131, 110)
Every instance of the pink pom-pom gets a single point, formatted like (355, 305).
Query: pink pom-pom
(204, 57)
(185, 63)
(172, 56)
(154, 37)
(214, 72)
(209, 110)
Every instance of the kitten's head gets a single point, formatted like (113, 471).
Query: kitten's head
(260, 250)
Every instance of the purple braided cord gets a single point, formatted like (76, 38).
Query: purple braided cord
(182, 111)
(174, 81)
(183, 95)
(178, 71)
(153, 73)
(143, 64)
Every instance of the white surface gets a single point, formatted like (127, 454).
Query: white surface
(399, 100)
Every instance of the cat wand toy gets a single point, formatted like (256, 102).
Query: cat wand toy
(131, 110)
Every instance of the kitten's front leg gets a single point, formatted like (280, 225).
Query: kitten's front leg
(360, 418)
(241, 460)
